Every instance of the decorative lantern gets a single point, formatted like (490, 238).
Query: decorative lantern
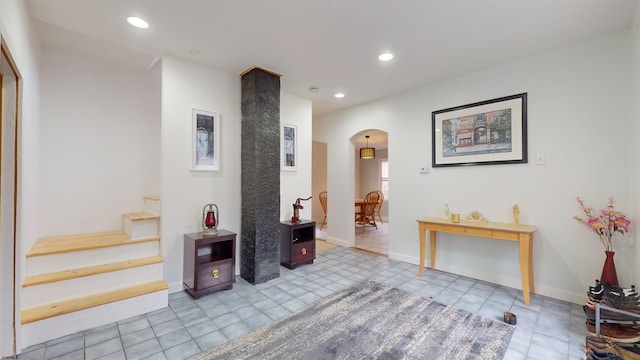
(210, 219)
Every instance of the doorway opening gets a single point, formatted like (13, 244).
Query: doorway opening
(372, 176)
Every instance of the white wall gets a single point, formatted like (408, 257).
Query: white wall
(579, 116)
(100, 145)
(635, 152)
(184, 192)
(297, 184)
(18, 34)
(186, 85)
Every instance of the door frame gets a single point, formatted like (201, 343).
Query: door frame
(10, 76)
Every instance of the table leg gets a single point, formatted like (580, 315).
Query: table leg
(423, 249)
(531, 287)
(432, 248)
(525, 266)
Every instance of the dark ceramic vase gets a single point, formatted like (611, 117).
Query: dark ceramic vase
(609, 275)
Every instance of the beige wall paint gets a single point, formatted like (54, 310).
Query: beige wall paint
(318, 178)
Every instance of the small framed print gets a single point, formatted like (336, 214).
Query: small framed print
(205, 141)
(289, 147)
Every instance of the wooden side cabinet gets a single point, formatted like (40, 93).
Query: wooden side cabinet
(297, 243)
(209, 262)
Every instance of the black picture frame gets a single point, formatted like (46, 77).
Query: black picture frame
(488, 132)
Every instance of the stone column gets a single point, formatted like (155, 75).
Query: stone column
(260, 242)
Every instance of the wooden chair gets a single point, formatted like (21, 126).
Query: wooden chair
(379, 206)
(323, 203)
(366, 216)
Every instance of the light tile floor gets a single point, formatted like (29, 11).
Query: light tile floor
(368, 239)
(548, 329)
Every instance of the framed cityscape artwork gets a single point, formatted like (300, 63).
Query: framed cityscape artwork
(483, 133)
(205, 141)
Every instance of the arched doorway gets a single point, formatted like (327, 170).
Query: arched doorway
(372, 174)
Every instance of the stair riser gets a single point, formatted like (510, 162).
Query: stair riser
(141, 229)
(152, 206)
(39, 295)
(45, 330)
(37, 265)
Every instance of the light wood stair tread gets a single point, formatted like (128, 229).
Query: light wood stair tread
(141, 215)
(69, 306)
(90, 270)
(71, 243)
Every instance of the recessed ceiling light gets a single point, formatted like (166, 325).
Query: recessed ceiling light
(137, 22)
(339, 95)
(385, 57)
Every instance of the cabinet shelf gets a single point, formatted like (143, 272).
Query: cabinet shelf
(210, 258)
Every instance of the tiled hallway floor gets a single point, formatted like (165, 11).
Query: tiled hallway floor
(369, 239)
(548, 329)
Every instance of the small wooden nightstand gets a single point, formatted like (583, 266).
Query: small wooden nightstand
(209, 262)
(297, 243)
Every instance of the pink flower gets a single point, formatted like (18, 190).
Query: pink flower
(606, 223)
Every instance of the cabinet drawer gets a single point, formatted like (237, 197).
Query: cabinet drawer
(303, 251)
(208, 276)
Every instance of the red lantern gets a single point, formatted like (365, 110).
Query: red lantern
(209, 222)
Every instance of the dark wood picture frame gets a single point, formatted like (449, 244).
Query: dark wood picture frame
(484, 133)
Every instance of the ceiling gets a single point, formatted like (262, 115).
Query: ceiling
(329, 44)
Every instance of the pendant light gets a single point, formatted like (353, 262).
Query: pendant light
(367, 152)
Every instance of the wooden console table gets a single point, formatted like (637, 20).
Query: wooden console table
(501, 231)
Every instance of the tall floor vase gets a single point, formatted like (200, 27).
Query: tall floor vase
(609, 275)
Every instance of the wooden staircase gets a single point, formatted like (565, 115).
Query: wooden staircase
(83, 281)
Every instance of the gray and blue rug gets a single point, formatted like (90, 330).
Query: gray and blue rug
(373, 321)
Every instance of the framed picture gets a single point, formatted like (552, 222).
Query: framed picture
(289, 145)
(483, 133)
(205, 151)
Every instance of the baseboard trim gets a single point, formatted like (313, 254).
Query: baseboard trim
(338, 241)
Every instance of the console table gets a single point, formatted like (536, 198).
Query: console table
(500, 231)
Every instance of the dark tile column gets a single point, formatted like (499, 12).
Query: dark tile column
(260, 244)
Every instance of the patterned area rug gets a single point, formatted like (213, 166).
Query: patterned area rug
(373, 321)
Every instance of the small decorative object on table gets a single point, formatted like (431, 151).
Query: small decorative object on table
(296, 209)
(447, 212)
(475, 216)
(605, 224)
(209, 222)
(516, 214)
